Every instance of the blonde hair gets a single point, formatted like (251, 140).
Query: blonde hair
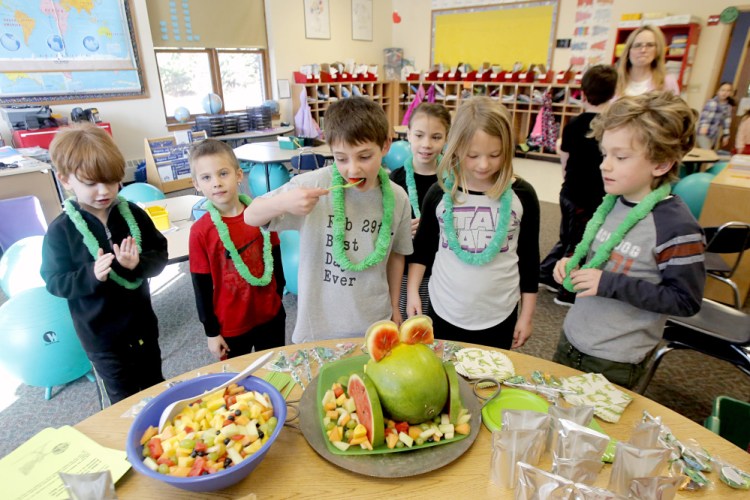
(492, 118)
(211, 147)
(658, 70)
(87, 150)
(662, 123)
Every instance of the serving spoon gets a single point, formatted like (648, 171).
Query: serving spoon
(175, 408)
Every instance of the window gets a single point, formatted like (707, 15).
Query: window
(238, 76)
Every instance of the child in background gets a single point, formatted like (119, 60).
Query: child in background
(643, 250)
(716, 119)
(479, 233)
(99, 255)
(582, 190)
(428, 131)
(742, 139)
(354, 227)
(236, 268)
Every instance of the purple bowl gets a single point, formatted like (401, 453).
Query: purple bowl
(196, 387)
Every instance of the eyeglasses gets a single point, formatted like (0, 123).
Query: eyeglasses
(643, 45)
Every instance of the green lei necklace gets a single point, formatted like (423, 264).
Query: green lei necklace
(601, 256)
(93, 245)
(226, 240)
(501, 230)
(383, 241)
(411, 185)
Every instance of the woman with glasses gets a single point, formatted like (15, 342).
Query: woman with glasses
(641, 67)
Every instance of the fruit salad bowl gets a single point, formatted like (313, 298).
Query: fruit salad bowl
(150, 414)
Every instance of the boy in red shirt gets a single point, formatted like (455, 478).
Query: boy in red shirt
(236, 268)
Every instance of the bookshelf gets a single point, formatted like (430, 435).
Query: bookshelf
(167, 164)
(523, 100)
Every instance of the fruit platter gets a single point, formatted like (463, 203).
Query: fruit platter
(396, 412)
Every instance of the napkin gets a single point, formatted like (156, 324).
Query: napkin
(472, 362)
(595, 390)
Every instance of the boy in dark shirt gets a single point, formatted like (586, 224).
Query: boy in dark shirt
(99, 255)
(582, 190)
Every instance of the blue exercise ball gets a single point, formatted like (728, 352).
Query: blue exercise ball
(141, 192)
(278, 175)
(717, 167)
(693, 190)
(397, 155)
(19, 266)
(40, 345)
(290, 258)
(211, 103)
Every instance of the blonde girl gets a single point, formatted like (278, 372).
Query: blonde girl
(641, 67)
(479, 235)
(428, 131)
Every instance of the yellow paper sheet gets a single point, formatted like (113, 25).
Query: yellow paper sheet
(31, 470)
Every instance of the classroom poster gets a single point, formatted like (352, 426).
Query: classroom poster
(592, 22)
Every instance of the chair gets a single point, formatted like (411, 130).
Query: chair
(21, 217)
(730, 238)
(307, 160)
(717, 330)
(729, 419)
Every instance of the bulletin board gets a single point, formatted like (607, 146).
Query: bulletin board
(498, 34)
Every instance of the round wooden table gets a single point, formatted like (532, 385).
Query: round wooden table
(292, 469)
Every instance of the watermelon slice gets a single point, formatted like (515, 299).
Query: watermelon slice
(369, 412)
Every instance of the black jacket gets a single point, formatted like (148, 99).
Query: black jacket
(107, 316)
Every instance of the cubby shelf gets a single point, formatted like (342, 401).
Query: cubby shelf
(321, 95)
(523, 100)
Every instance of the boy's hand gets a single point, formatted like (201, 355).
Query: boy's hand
(521, 333)
(414, 226)
(396, 316)
(103, 265)
(587, 281)
(218, 347)
(302, 200)
(127, 253)
(558, 274)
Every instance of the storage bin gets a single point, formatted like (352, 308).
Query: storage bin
(160, 216)
(729, 419)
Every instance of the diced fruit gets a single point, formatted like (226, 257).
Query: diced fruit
(341, 445)
(417, 330)
(391, 440)
(406, 439)
(150, 432)
(380, 338)
(464, 428)
(415, 431)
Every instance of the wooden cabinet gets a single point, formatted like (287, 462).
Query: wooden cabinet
(523, 100)
(681, 46)
(321, 95)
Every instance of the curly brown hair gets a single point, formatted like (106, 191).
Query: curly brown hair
(662, 123)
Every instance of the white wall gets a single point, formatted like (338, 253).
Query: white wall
(289, 49)
(132, 119)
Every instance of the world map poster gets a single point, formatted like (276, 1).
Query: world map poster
(52, 49)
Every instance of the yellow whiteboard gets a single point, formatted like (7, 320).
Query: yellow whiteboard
(500, 34)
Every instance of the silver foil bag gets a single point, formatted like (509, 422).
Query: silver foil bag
(536, 484)
(579, 470)
(581, 415)
(578, 441)
(631, 462)
(586, 492)
(655, 488)
(513, 420)
(510, 447)
(645, 435)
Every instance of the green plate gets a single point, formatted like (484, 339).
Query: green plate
(518, 399)
(329, 374)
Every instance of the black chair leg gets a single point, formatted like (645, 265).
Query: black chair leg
(656, 358)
